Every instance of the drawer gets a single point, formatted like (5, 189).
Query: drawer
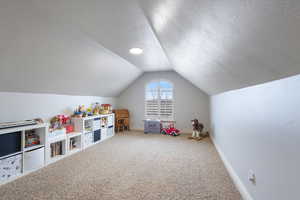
(110, 120)
(88, 139)
(10, 167)
(97, 135)
(110, 132)
(34, 159)
(104, 133)
(96, 124)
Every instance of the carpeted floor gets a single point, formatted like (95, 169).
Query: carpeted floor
(131, 166)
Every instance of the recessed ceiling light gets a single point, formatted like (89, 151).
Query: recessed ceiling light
(136, 51)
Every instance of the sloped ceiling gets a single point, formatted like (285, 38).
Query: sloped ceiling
(222, 45)
(81, 47)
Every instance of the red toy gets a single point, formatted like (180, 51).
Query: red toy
(62, 121)
(171, 130)
(63, 118)
(66, 121)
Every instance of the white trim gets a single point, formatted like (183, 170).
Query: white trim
(236, 179)
(22, 128)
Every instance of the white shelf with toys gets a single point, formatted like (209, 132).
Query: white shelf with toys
(94, 129)
(33, 144)
(22, 150)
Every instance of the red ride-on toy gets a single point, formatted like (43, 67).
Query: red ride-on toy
(171, 130)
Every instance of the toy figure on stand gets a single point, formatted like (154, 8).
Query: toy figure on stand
(106, 109)
(80, 112)
(96, 109)
(171, 130)
(197, 130)
(89, 111)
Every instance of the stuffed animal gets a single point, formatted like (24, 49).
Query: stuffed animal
(197, 130)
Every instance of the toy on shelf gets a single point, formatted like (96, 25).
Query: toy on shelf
(106, 109)
(60, 122)
(96, 109)
(89, 111)
(170, 130)
(56, 123)
(80, 112)
(198, 130)
(104, 122)
(31, 138)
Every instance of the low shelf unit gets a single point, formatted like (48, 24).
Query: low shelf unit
(94, 129)
(74, 141)
(29, 148)
(22, 150)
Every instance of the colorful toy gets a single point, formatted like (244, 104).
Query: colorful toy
(56, 123)
(89, 111)
(171, 130)
(61, 121)
(97, 109)
(31, 138)
(80, 112)
(106, 109)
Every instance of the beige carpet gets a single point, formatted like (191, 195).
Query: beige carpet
(131, 166)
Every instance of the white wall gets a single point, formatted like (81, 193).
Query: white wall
(21, 106)
(190, 102)
(258, 128)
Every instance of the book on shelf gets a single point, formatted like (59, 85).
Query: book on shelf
(56, 149)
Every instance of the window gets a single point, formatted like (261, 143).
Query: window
(159, 100)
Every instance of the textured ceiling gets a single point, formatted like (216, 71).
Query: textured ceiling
(222, 45)
(81, 47)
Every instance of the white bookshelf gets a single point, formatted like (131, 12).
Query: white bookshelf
(77, 137)
(60, 138)
(34, 157)
(90, 127)
(29, 158)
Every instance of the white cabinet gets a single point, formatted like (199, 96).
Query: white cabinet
(34, 159)
(94, 128)
(25, 151)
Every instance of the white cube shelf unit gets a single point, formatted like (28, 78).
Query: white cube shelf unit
(56, 147)
(22, 150)
(20, 153)
(75, 142)
(94, 129)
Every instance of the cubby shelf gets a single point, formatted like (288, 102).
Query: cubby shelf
(24, 159)
(95, 124)
(37, 156)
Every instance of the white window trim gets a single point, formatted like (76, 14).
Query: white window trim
(173, 100)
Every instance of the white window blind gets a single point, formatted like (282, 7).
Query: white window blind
(159, 100)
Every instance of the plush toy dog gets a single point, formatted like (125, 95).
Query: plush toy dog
(197, 130)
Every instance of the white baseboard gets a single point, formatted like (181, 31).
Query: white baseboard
(236, 179)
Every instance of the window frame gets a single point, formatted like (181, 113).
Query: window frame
(171, 118)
